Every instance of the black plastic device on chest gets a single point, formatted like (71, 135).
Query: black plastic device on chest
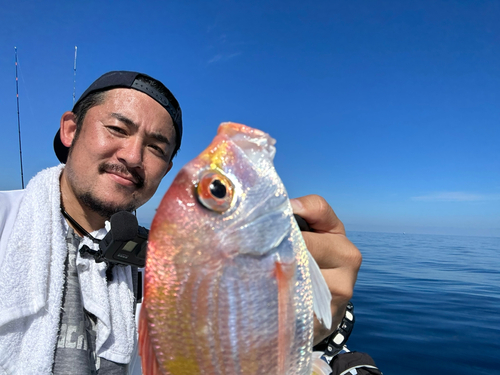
(125, 243)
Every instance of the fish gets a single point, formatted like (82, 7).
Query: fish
(228, 285)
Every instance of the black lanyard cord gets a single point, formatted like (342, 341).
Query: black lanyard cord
(78, 226)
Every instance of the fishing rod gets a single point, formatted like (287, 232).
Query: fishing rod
(18, 112)
(74, 78)
(19, 121)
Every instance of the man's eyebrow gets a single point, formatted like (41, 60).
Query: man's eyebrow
(158, 136)
(125, 120)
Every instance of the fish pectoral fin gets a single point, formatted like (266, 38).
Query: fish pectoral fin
(284, 273)
(284, 276)
(321, 294)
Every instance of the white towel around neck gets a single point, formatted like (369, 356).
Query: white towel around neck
(32, 281)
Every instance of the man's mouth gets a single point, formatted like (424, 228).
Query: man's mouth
(123, 173)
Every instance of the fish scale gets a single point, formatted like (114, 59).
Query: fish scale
(227, 281)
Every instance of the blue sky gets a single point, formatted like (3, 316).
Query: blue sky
(389, 109)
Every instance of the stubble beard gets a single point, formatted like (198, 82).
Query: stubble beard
(101, 207)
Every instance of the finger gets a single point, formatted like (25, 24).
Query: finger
(332, 250)
(318, 214)
(341, 283)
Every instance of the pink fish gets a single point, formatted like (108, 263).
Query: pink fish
(228, 285)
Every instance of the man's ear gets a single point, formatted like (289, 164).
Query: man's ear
(169, 168)
(68, 128)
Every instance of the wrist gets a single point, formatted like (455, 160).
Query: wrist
(334, 343)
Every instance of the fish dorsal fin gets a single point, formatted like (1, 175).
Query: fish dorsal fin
(321, 294)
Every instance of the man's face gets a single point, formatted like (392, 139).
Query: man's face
(122, 152)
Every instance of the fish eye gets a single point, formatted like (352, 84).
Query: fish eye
(215, 191)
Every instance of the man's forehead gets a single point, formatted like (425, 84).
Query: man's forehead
(131, 94)
(133, 103)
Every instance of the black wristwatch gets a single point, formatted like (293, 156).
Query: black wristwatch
(334, 343)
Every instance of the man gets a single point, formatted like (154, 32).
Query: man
(60, 311)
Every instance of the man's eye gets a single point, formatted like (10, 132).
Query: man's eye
(158, 149)
(117, 129)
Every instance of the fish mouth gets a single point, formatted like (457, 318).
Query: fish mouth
(256, 144)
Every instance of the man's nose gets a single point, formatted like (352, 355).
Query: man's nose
(132, 152)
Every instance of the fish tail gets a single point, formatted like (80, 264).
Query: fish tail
(149, 362)
(284, 275)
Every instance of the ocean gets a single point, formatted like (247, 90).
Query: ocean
(428, 304)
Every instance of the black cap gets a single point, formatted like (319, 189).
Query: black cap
(132, 80)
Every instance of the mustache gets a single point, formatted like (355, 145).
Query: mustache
(121, 169)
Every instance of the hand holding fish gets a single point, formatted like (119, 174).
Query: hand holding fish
(337, 257)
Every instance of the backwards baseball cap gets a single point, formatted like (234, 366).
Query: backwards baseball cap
(132, 80)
